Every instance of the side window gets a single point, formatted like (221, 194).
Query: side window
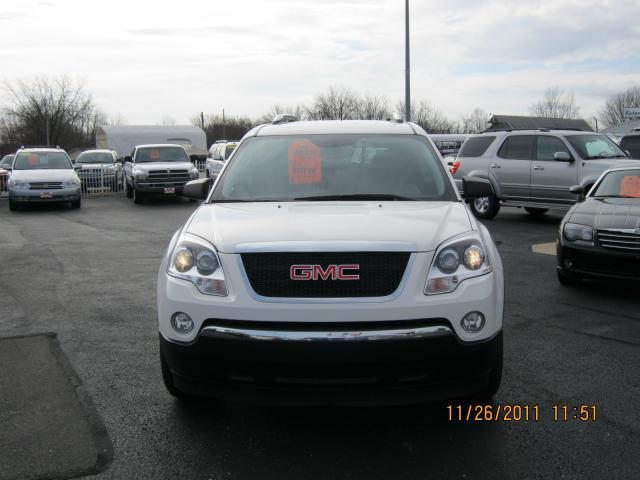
(547, 146)
(517, 147)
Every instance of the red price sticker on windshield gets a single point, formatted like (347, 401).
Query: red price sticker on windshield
(630, 186)
(154, 154)
(33, 159)
(305, 165)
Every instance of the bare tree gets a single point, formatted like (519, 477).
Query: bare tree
(116, 120)
(338, 103)
(168, 121)
(474, 122)
(613, 111)
(556, 104)
(46, 111)
(428, 117)
(299, 111)
(372, 107)
(234, 127)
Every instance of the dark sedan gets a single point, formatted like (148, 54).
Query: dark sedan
(600, 236)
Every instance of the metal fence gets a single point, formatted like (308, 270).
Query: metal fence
(4, 176)
(101, 182)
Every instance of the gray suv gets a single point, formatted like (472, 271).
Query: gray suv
(534, 169)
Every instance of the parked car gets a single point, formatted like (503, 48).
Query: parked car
(213, 168)
(600, 236)
(99, 169)
(534, 169)
(4, 173)
(157, 169)
(42, 175)
(631, 145)
(333, 262)
(222, 150)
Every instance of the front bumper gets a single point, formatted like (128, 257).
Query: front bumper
(596, 262)
(304, 364)
(44, 196)
(158, 187)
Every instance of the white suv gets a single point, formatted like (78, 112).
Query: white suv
(332, 263)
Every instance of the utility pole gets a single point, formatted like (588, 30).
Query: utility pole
(596, 119)
(46, 127)
(202, 120)
(407, 66)
(224, 126)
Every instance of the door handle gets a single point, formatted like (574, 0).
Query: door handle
(538, 167)
(493, 165)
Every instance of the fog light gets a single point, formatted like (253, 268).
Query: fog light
(472, 322)
(181, 322)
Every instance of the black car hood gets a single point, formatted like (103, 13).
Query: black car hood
(604, 213)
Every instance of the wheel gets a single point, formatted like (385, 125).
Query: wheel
(76, 203)
(138, 197)
(536, 212)
(495, 377)
(167, 378)
(13, 206)
(485, 207)
(127, 190)
(568, 281)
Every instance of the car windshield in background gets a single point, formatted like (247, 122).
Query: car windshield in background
(161, 154)
(619, 183)
(41, 161)
(595, 146)
(334, 167)
(95, 157)
(632, 145)
(476, 146)
(229, 150)
(6, 160)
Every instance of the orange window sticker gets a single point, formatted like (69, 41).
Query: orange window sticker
(305, 165)
(154, 154)
(33, 159)
(630, 186)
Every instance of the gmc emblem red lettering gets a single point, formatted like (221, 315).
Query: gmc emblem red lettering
(316, 272)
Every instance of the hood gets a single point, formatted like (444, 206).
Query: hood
(605, 213)
(148, 166)
(44, 175)
(317, 226)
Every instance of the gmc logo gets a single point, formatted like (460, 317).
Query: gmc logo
(316, 272)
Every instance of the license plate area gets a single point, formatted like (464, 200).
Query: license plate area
(46, 195)
(169, 190)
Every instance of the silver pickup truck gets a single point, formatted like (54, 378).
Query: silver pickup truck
(534, 169)
(157, 169)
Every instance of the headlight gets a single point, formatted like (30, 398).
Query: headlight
(573, 232)
(140, 174)
(19, 184)
(74, 182)
(193, 172)
(196, 260)
(454, 262)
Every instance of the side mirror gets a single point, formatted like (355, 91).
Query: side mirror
(474, 187)
(8, 168)
(562, 157)
(127, 158)
(217, 157)
(197, 189)
(77, 166)
(578, 190)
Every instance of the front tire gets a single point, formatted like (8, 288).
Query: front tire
(138, 197)
(13, 206)
(76, 203)
(536, 212)
(127, 190)
(568, 281)
(485, 208)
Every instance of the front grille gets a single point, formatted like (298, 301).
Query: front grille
(45, 185)
(164, 175)
(619, 241)
(380, 274)
(605, 264)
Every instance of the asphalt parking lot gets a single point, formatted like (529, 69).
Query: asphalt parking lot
(89, 276)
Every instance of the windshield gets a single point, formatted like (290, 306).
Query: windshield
(325, 167)
(595, 146)
(41, 161)
(620, 183)
(95, 157)
(161, 154)
(229, 150)
(632, 145)
(6, 160)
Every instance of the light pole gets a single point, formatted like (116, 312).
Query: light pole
(407, 66)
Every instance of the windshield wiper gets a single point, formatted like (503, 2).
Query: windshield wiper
(615, 196)
(357, 196)
(594, 157)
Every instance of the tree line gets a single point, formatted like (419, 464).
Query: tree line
(62, 112)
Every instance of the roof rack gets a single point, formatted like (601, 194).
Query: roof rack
(39, 146)
(283, 118)
(490, 130)
(394, 117)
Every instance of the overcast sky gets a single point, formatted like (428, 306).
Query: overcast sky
(148, 59)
